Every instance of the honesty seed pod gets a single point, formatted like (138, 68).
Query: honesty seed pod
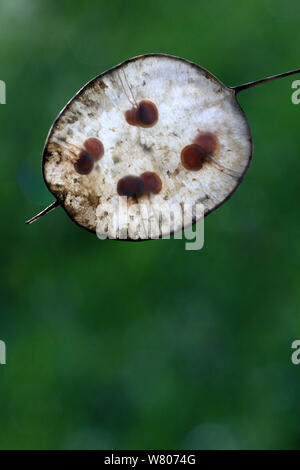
(154, 130)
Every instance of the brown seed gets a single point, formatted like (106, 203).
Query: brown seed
(147, 113)
(143, 115)
(131, 117)
(94, 147)
(208, 142)
(84, 164)
(152, 182)
(193, 157)
(130, 186)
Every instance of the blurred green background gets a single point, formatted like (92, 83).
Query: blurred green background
(115, 345)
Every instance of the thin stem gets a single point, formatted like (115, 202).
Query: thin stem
(43, 212)
(245, 86)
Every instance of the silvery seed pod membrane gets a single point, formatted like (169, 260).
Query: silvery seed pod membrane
(155, 131)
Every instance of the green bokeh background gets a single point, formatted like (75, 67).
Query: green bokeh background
(115, 345)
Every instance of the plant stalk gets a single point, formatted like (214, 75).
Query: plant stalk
(43, 212)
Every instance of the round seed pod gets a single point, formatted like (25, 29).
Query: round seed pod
(146, 112)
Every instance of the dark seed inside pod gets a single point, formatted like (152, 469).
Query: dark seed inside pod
(130, 186)
(84, 164)
(152, 182)
(208, 142)
(94, 147)
(193, 157)
(147, 113)
(131, 117)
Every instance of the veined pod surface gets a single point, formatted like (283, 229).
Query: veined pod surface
(155, 115)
